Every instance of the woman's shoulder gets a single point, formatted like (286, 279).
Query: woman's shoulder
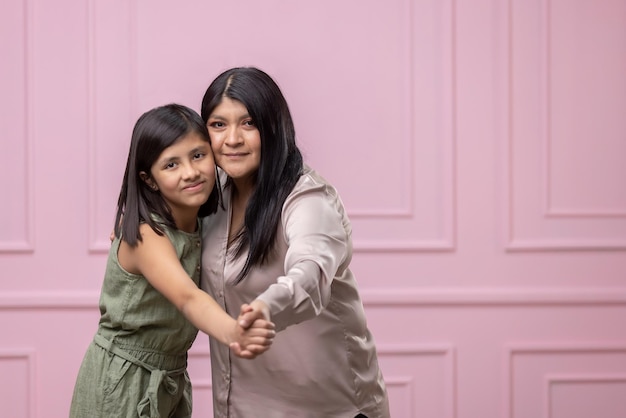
(311, 180)
(312, 186)
(314, 198)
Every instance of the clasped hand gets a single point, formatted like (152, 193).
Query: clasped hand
(254, 333)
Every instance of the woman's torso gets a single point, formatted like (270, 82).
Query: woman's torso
(325, 366)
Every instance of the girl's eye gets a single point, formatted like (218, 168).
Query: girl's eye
(248, 122)
(170, 165)
(198, 155)
(216, 124)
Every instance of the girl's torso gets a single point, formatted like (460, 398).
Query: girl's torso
(133, 313)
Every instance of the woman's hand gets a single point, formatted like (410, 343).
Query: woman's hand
(250, 313)
(257, 337)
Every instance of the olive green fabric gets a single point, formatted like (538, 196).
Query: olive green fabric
(136, 364)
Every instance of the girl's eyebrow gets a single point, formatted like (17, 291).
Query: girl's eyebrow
(169, 160)
(199, 148)
(202, 148)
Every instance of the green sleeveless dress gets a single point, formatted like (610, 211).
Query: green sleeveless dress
(136, 365)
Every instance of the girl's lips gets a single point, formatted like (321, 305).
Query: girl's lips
(194, 187)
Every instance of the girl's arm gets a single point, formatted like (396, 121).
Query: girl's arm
(155, 258)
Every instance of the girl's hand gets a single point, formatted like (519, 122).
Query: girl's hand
(255, 339)
(250, 313)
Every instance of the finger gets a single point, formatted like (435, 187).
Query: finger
(246, 319)
(265, 332)
(264, 341)
(257, 335)
(262, 323)
(257, 349)
(247, 355)
(236, 348)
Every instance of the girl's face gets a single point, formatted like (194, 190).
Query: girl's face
(184, 174)
(235, 140)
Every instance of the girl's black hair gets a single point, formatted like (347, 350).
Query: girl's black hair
(281, 161)
(154, 131)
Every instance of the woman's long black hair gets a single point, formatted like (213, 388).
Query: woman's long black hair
(154, 131)
(281, 161)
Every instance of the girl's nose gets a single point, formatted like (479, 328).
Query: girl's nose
(190, 171)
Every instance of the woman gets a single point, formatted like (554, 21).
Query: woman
(282, 241)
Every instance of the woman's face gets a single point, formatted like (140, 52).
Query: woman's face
(235, 140)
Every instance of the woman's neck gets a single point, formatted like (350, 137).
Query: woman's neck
(239, 198)
(243, 188)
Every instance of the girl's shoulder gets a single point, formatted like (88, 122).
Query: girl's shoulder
(177, 237)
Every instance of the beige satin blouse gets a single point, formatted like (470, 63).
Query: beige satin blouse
(323, 362)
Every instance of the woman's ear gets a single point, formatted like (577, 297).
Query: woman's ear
(148, 180)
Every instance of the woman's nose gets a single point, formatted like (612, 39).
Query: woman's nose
(233, 137)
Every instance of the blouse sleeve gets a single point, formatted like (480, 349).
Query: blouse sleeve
(318, 244)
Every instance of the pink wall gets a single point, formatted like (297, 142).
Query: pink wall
(480, 147)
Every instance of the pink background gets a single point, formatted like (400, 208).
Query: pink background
(479, 146)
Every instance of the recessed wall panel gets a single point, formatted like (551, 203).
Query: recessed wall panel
(16, 388)
(533, 389)
(586, 99)
(419, 379)
(15, 125)
(587, 396)
(565, 147)
(110, 98)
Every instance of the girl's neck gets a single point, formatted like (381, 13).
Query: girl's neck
(186, 221)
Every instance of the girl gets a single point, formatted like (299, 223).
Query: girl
(151, 306)
(284, 243)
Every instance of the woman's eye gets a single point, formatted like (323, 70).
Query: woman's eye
(216, 125)
(248, 122)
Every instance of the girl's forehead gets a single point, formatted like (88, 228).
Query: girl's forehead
(189, 140)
